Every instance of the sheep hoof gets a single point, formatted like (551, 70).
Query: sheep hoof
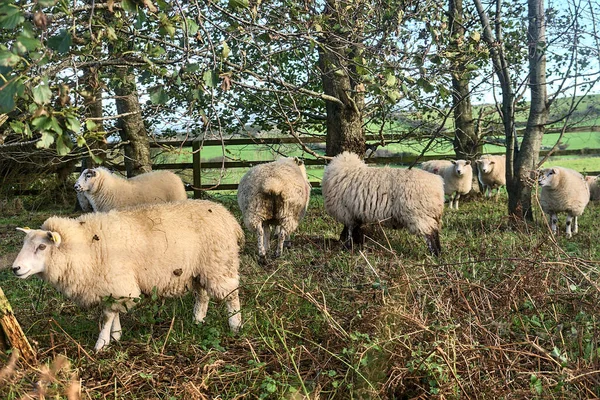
(287, 244)
(100, 344)
(116, 335)
(262, 260)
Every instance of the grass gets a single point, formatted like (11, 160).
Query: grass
(506, 311)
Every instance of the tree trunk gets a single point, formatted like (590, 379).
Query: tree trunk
(93, 109)
(12, 332)
(344, 118)
(131, 124)
(466, 143)
(519, 204)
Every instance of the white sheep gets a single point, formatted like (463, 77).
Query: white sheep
(106, 191)
(491, 173)
(594, 187)
(457, 175)
(563, 190)
(355, 194)
(274, 194)
(170, 248)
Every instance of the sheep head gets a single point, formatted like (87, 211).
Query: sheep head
(33, 257)
(86, 181)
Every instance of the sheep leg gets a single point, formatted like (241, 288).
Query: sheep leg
(553, 222)
(115, 329)
(107, 320)
(267, 236)
(201, 304)
(260, 233)
(281, 235)
(233, 308)
(575, 225)
(433, 243)
(569, 220)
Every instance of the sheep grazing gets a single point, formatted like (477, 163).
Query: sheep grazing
(594, 187)
(563, 190)
(355, 194)
(106, 191)
(457, 175)
(491, 173)
(274, 194)
(171, 248)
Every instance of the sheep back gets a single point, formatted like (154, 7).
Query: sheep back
(120, 254)
(563, 190)
(107, 191)
(592, 182)
(355, 194)
(277, 191)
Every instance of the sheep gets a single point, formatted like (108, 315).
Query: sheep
(167, 249)
(355, 194)
(457, 175)
(275, 193)
(106, 191)
(563, 190)
(491, 173)
(594, 187)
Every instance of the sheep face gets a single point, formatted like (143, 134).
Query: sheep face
(34, 255)
(549, 177)
(86, 180)
(485, 165)
(460, 166)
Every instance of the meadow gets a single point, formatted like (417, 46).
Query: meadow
(507, 311)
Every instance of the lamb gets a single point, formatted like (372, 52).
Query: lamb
(106, 191)
(275, 193)
(491, 173)
(594, 187)
(563, 190)
(171, 248)
(355, 194)
(457, 175)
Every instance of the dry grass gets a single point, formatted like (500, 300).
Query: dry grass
(504, 313)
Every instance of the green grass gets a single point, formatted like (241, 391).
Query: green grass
(505, 312)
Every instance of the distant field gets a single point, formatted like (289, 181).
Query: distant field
(569, 141)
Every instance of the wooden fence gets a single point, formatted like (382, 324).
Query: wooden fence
(197, 164)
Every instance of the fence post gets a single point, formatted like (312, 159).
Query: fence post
(197, 167)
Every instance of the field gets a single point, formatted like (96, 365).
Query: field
(570, 141)
(506, 312)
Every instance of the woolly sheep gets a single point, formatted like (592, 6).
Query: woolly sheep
(457, 175)
(491, 173)
(106, 191)
(275, 193)
(563, 190)
(594, 187)
(355, 194)
(170, 247)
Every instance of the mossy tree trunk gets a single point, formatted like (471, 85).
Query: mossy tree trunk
(11, 333)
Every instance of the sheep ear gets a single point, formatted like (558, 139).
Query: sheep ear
(26, 229)
(492, 162)
(468, 162)
(54, 237)
(453, 162)
(477, 162)
(298, 161)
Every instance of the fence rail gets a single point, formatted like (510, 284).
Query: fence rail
(404, 159)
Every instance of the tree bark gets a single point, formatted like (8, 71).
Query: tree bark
(93, 109)
(519, 204)
(466, 143)
(12, 332)
(344, 122)
(132, 129)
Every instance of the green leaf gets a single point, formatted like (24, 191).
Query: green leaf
(81, 141)
(41, 94)
(390, 79)
(55, 125)
(128, 5)
(10, 17)
(46, 140)
(211, 78)
(72, 123)
(90, 125)
(7, 97)
(192, 27)
(27, 43)
(226, 50)
(8, 59)
(158, 95)
(535, 384)
(63, 145)
(235, 4)
(41, 123)
(61, 42)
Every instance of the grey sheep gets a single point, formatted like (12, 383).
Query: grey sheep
(491, 173)
(457, 175)
(106, 191)
(594, 187)
(170, 247)
(563, 190)
(355, 194)
(274, 194)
